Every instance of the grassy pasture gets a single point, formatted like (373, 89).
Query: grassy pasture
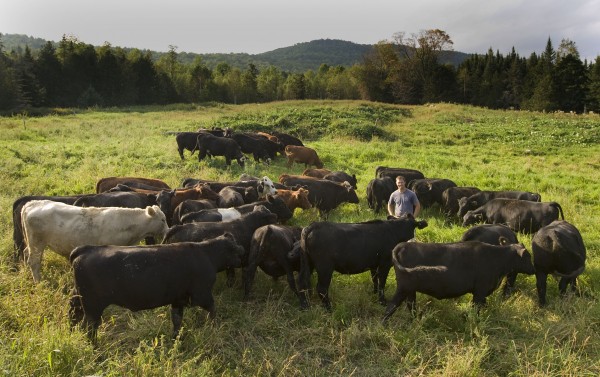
(557, 155)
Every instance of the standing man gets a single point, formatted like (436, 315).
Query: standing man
(403, 201)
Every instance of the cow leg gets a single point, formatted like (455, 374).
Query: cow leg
(540, 283)
(394, 303)
(230, 277)
(228, 160)
(563, 283)
(177, 319)
(150, 240)
(382, 274)
(509, 285)
(34, 260)
(374, 279)
(323, 282)
(201, 154)
(479, 300)
(291, 281)
(411, 300)
(180, 150)
(248, 274)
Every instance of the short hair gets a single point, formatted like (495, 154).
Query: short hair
(401, 177)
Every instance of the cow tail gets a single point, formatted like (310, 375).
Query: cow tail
(370, 197)
(557, 206)
(305, 269)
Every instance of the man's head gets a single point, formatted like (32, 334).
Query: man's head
(401, 183)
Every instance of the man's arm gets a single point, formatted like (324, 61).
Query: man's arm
(417, 209)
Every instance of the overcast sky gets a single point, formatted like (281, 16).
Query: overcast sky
(255, 26)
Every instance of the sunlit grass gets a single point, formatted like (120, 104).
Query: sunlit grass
(553, 154)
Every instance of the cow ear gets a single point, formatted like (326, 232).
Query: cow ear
(521, 250)
(390, 217)
(229, 236)
(150, 210)
(422, 224)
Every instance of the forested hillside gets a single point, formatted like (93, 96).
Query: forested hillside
(300, 57)
(418, 69)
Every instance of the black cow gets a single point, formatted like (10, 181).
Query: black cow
(452, 195)
(18, 238)
(351, 248)
(519, 215)
(188, 206)
(408, 174)
(233, 196)
(126, 199)
(219, 146)
(287, 139)
(275, 249)
(258, 183)
(260, 148)
(273, 204)
(340, 176)
(147, 277)
(558, 249)
(187, 140)
(219, 132)
(379, 191)
(242, 229)
(480, 198)
(448, 270)
(325, 195)
(494, 234)
(429, 190)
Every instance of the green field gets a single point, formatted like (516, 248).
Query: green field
(66, 152)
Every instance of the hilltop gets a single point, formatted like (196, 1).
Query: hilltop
(300, 57)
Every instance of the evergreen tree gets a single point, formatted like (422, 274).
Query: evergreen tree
(571, 84)
(593, 98)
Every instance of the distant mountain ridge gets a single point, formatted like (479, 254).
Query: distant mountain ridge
(300, 57)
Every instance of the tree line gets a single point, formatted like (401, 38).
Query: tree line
(404, 70)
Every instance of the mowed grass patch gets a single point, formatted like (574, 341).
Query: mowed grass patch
(553, 154)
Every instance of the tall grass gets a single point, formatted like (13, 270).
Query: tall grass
(556, 155)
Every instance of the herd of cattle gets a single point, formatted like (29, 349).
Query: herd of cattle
(205, 227)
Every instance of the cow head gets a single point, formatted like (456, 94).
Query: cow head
(158, 227)
(351, 196)
(301, 198)
(294, 254)
(279, 208)
(250, 195)
(266, 187)
(163, 199)
(523, 264)
(237, 255)
(464, 204)
(283, 177)
(471, 218)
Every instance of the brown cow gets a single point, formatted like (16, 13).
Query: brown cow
(295, 199)
(305, 155)
(316, 173)
(105, 184)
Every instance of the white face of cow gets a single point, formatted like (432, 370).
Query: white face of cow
(266, 187)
